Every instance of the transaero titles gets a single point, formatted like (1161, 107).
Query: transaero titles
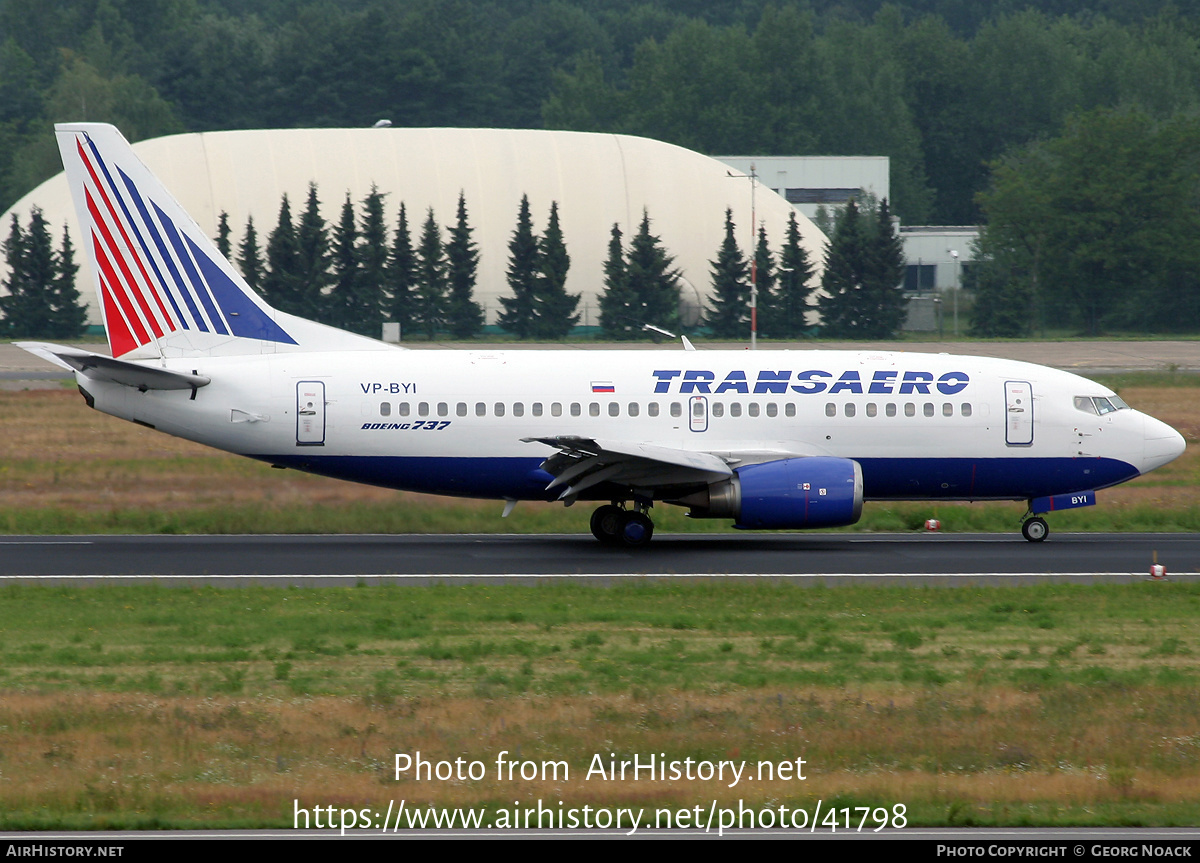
(810, 382)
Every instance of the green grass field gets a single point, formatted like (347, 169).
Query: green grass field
(154, 706)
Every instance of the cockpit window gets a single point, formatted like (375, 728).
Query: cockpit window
(1100, 405)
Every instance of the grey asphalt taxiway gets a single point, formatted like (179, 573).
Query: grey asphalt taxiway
(828, 559)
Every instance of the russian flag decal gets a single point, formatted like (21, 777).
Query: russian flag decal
(603, 387)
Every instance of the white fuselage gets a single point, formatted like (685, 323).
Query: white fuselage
(923, 426)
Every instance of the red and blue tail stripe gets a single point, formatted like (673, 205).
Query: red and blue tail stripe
(202, 295)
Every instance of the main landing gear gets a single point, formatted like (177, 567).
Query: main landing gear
(612, 524)
(1035, 529)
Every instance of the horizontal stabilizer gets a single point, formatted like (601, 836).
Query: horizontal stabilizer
(100, 367)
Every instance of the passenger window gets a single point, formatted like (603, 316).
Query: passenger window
(735, 409)
(519, 409)
(402, 409)
(480, 409)
(718, 409)
(928, 409)
(633, 409)
(849, 409)
(872, 410)
(385, 409)
(652, 409)
(698, 408)
(461, 409)
(556, 409)
(790, 409)
(890, 409)
(575, 409)
(499, 409)
(947, 409)
(831, 410)
(910, 410)
(614, 409)
(443, 409)
(594, 409)
(772, 409)
(423, 409)
(965, 408)
(752, 409)
(536, 409)
(676, 409)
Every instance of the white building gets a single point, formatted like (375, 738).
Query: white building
(597, 180)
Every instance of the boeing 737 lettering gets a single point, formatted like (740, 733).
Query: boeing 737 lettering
(773, 440)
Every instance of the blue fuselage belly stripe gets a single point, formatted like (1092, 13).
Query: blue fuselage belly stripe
(883, 478)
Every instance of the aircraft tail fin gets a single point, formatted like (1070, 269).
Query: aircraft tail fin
(163, 287)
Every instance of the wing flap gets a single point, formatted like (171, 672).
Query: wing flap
(100, 367)
(582, 463)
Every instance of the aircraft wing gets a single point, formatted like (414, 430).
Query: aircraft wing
(100, 367)
(581, 463)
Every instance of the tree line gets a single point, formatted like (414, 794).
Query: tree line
(357, 273)
(942, 89)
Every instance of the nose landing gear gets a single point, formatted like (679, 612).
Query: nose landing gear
(614, 525)
(1035, 529)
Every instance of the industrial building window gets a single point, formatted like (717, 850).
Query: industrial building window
(920, 277)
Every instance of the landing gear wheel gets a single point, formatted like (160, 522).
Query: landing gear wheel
(606, 522)
(1035, 529)
(636, 530)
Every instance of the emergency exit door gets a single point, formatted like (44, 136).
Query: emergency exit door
(310, 413)
(1018, 404)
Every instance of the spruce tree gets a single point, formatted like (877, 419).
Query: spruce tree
(863, 269)
(313, 260)
(783, 316)
(464, 317)
(401, 274)
(619, 307)
(728, 316)
(524, 266)
(68, 315)
(223, 245)
(372, 263)
(763, 277)
(249, 258)
(883, 276)
(841, 283)
(281, 281)
(341, 306)
(555, 313)
(41, 300)
(652, 279)
(429, 301)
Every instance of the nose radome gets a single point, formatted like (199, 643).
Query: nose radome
(1161, 444)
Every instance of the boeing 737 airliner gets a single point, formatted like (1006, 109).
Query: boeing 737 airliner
(769, 439)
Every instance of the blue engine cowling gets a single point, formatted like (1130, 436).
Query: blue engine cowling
(792, 493)
(820, 491)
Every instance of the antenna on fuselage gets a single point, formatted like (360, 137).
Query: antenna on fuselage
(687, 345)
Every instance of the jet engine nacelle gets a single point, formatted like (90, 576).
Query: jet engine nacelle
(792, 493)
